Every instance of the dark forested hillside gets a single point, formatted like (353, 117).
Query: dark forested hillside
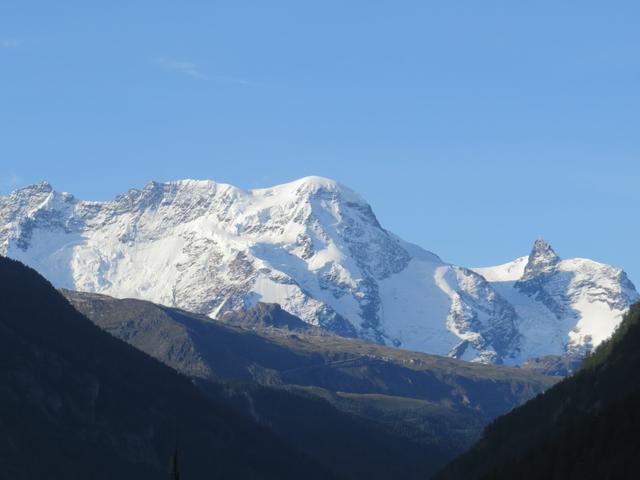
(77, 403)
(587, 426)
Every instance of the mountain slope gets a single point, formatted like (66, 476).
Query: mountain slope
(77, 403)
(348, 444)
(345, 440)
(442, 401)
(312, 246)
(584, 427)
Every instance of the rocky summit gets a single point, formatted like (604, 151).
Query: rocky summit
(316, 248)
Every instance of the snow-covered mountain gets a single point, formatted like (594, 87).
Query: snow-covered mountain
(563, 306)
(316, 248)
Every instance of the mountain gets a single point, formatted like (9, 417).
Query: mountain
(584, 427)
(565, 306)
(437, 401)
(75, 402)
(317, 249)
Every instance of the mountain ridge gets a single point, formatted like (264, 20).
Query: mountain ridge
(314, 247)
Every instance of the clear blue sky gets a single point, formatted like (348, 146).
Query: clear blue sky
(471, 127)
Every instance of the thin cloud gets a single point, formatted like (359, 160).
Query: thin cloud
(192, 70)
(10, 43)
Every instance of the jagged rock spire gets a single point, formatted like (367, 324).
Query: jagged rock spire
(541, 259)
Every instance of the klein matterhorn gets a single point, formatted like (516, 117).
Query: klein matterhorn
(316, 248)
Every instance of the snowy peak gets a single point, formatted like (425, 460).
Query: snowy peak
(35, 189)
(542, 259)
(541, 267)
(312, 245)
(308, 186)
(563, 306)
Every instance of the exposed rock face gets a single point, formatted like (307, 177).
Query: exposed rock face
(312, 246)
(541, 270)
(267, 315)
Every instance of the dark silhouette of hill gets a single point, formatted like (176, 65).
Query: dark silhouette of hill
(587, 426)
(77, 403)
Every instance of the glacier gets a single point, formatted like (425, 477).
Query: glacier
(316, 248)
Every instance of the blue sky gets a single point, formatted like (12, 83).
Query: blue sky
(471, 127)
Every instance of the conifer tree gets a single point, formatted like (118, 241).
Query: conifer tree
(174, 473)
